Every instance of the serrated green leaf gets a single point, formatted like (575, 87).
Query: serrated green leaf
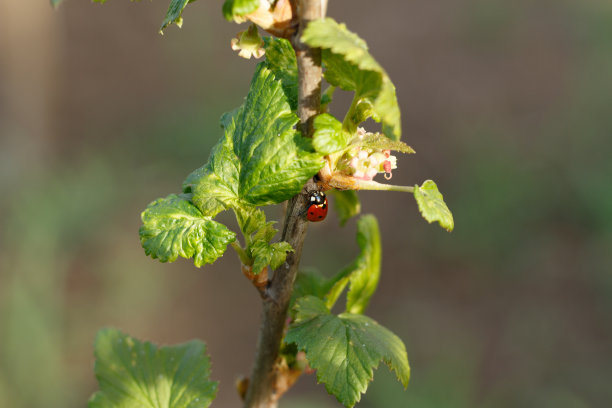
(378, 141)
(432, 206)
(346, 203)
(280, 59)
(350, 66)
(329, 136)
(174, 13)
(215, 185)
(266, 232)
(135, 374)
(364, 278)
(174, 227)
(262, 159)
(238, 8)
(251, 220)
(265, 254)
(279, 253)
(276, 160)
(345, 349)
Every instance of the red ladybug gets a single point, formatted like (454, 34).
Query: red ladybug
(317, 206)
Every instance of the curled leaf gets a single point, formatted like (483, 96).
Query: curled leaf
(173, 227)
(432, 205)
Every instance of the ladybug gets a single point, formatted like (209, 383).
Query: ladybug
(317, 206)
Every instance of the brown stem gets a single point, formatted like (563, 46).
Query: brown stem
(263, 391)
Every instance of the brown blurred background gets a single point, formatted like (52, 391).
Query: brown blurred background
(507, 103)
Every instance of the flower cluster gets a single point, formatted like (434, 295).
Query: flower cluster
(365, 163)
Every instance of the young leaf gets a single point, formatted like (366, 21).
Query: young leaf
(251, 220)
(280, 59)
(265, 254)
(174, 227)
(174, 13)
(329, 136)
(346, 203)
(55, 3)
(239, 8)
(135, 374)
(432, 206)
(262, 159)
(345, 349)
(364, 278)
(350, 66)
(266, 232)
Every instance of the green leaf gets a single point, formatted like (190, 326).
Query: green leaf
(432, 206)
(364, 278)
(265, 254)
(329, 136)
(262, 159)
(266, 232)
(363, 274)
(275, 159)
(251, 220)
(346, 203)
(174, 13)
(135, 374)
(215, 185)
(350, 66)
(339, 283)
(174, 227)
(280, 59)
(345, 349)
(238, 8)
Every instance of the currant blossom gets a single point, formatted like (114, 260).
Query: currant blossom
(356, 167)
(365, 163)
(249, 43)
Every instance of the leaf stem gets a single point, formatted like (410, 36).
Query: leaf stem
(244, 257)
(373, 185)
(348, 123)
(264, 390)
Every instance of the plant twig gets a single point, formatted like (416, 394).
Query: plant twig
(263, 390)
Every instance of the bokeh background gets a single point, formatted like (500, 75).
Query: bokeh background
(507, 103)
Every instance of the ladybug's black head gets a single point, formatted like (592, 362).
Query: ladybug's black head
(316, 197)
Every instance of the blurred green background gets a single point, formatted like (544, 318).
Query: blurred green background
(507, 103)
